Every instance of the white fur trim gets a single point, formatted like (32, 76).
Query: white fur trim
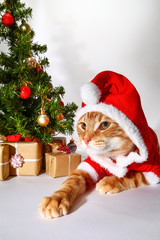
(90, 170)
(151, 177)
(109, 165)
(126, 124)
(90, 93)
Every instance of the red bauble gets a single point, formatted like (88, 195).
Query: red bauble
(25, 92)
(60, 116)
(7, 19)
(40, 70)
(62, 103)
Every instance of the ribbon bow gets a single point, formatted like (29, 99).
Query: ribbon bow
(17, 161)
(65, 149)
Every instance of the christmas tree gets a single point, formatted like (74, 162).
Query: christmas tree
(29, 104)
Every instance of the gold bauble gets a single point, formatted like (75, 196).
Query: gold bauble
(31, 62)
(43, 120)
(25, 27)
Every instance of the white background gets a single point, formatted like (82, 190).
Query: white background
(85, 37)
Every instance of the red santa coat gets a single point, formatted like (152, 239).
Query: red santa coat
(115, 96)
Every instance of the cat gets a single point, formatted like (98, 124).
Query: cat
(122, 149)
(102, 137)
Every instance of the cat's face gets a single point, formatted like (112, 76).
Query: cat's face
(98, 134)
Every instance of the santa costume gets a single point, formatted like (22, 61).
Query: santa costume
(115, 96)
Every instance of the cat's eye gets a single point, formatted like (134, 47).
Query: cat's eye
(104, 125)
(83, 125)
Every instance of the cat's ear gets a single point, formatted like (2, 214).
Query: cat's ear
(90, 93)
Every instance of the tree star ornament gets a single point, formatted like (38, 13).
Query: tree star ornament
(17, 161)
(7, 19)
(25, 92)
(43, 119)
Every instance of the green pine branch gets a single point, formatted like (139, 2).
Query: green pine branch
(17, 115)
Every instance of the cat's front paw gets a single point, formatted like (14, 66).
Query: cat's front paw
(53, 207)
(111, 184)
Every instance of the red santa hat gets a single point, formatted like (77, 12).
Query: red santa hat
(115, 96)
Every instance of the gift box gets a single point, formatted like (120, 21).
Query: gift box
(32, 154)
(54, 145)
(61, 164)
(4, 161)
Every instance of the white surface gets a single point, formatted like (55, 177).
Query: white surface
(129, 215)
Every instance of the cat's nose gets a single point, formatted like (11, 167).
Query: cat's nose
(86, 140)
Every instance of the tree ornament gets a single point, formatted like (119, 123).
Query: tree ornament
(17, 161)
(60, 116)
(25, 92)
(43, 119)
(25, 27)
(31, 62)
(7, 19)
(62, 103)
(39, 69)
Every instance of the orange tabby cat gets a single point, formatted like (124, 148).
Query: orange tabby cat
(102, 137)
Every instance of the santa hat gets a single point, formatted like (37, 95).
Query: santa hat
(115, 96)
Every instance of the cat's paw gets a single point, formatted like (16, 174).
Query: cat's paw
(109, 184)
(53, 207)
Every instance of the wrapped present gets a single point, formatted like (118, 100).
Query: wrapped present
(60, 140)
(25, 157)
(61, 164)
(4, 161)
(54, 145)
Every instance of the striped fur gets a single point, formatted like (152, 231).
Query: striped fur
(101, 135)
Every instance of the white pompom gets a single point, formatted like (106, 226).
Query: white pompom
(90, 93)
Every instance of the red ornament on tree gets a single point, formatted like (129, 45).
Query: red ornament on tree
(7, 19)
(60, 116)
(62, 103)
(25, 92)
(40, 70)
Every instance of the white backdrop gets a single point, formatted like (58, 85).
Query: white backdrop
(85, 37)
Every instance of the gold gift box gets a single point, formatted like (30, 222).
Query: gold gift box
(4, 161)
(32, 154)
(61, 164)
